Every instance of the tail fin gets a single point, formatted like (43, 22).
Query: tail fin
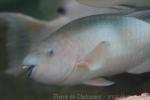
(22, 33)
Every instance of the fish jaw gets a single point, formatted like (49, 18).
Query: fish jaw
(55, 77)
(44, 73)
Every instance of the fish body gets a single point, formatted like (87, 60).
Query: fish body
(73, 9)
(88, 48)
(22, 33)
(113, 3)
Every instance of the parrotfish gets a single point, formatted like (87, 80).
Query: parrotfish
(24, 32)
(74, 9)
(117, 3)
(86, 50)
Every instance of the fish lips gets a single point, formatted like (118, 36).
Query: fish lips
(29, 71)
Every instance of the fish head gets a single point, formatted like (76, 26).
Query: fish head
(50, 66)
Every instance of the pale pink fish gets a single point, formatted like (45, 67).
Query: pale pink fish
(113, 3)
(87, 49)
(24, 32)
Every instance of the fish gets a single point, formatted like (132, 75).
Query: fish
(117, 3)
(21, 34)
(86, 50)
(70, 10)
(74, 9)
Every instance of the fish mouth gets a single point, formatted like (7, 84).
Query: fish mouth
(29, 70)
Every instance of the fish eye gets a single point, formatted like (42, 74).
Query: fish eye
(50, 51)
(61, 10)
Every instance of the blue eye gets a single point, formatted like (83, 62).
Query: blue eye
(50, 51)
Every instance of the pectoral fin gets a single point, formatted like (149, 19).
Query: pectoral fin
(143, 68)
(99, 82)
(95, 58)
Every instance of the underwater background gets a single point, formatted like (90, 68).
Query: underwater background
(12, 88)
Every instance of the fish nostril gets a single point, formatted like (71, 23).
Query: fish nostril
(61, 10)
